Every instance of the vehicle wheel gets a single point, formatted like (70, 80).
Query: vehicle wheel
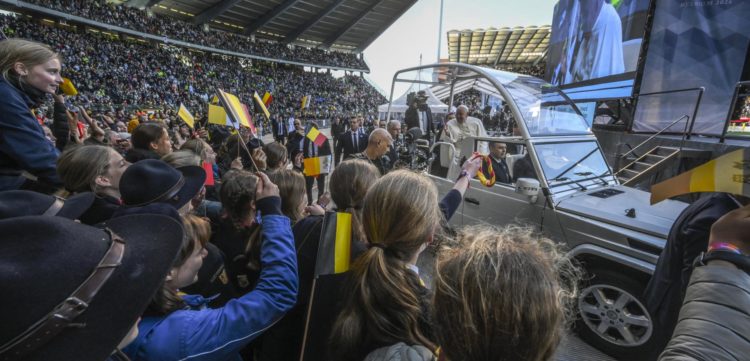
(612, 316)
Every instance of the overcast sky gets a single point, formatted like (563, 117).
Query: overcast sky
(416, 32)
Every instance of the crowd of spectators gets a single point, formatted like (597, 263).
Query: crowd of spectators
(536, 70)
(161, 25)
(182, 244)
(111, 75)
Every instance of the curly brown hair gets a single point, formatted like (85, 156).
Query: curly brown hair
(502, 294)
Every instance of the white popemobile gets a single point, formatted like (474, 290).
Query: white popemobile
(568, 191)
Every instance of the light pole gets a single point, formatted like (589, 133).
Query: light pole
(440, 30)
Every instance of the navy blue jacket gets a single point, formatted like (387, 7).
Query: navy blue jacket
(23, 146)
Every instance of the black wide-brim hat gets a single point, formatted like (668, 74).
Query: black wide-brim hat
(45, 259)
(154, 181)
(27, 203)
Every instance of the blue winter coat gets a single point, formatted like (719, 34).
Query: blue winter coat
(219, 334)
(23, 146)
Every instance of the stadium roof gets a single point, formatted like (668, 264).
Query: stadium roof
(348, 25)
(495, 47)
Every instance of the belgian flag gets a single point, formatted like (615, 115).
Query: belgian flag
(259, 105)
(729, 173)
(334, 249)
(267, 99)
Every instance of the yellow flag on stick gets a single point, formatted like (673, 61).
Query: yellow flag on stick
(305, 102)
(236, 110)
(217, 115)
(186, 116)
(68, 88)
(261, 104)
(729, 173)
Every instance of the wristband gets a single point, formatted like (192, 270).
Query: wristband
(724, 246)
(738, 260)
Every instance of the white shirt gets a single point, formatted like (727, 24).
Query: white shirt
(601, 54)
(459, 135)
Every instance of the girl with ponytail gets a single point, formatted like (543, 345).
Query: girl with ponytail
(386, 303)
(349, 183)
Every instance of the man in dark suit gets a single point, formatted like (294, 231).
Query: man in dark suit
(310, 150)
(419, 116)
(279, 129)
(337, 130)
(294, 144)
(498, 151)
(687, 238)
(351, 142)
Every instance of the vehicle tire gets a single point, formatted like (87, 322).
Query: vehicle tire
(611, 316)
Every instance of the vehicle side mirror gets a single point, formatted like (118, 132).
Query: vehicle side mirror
(529, 187)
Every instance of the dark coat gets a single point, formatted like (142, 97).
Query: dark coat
(136, 155)
(275, 125)
(292, 145)
(101, 210)
(23, 146)
(502, 172)
(687, 239)
(324, 149)
(231, 242)
(411, 118)
(60, 127)
(347, 147)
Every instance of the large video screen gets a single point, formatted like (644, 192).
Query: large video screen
(595, 41)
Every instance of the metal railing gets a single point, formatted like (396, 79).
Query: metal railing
(686, 134)
(682, 142)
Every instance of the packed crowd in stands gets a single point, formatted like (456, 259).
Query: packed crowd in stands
(157, 24)
(163, 244)
(113, 74)
(533, 70)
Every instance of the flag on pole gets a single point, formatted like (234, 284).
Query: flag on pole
(334, 250)
(215, 100)
(217, 115)
(305, 101)
(317, 165)
(209, 174)
(68, 88)
(729, 173)
(316, 136)
(236, 111)
(250, 123)
(267, 99)
(259, 105)
(185, 115)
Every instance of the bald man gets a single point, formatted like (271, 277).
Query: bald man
(378, 144)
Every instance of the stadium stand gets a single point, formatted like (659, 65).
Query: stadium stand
(111, 73)
(156, 24)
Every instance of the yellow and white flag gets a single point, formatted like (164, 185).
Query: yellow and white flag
(186, 116)
(729, 173)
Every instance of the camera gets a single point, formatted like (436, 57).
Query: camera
(413, 152)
